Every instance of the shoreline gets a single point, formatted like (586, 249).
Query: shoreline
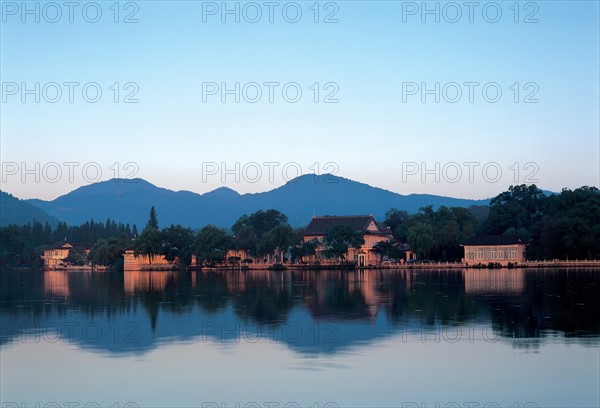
(426, 266)
(346, 267)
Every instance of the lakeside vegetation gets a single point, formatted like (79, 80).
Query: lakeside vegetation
(558, 226)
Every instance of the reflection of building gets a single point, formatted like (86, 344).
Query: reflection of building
(481, 281)
(350, 295)
(319, 227)
(238, 281)
(64, 282)
(501, 249)
(367, 282)
(147, 280)
(56, 283)
(64, 255)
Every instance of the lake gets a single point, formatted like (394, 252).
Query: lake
(519, 338)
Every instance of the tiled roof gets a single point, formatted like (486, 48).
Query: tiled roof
(84, 245)
(57, 245)
(322, 225)
(480, 240)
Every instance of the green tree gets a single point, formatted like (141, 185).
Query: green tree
(520, 207)
(397, 221)
(149, 243)
(211, 245)
(451, 227)
(13, 246)
(339, 239)
(434, 234)
(570, 227)
(152, 219)
(176, 244)
(280, 238)
(245, 239)
(266, 246)
(77, 256)
(261, 221)
(61, 232)
(250, 232)
(420, 238)
(108, 252)
(306, 248)
(383, 249)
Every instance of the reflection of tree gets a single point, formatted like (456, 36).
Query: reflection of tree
(18, 289)
(548, 301)
(552, 301)
(397, 290)
(150, 300)
(434, 297)
(211, 291)
(172, 295)
(264, 300)
(331, 297)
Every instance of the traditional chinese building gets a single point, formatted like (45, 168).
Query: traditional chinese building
(65, 255)
(319, 227)
(498, 249)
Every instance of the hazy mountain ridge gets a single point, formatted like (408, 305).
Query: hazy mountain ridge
(128, 201)
(20, 212)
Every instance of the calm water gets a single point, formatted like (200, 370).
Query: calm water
(418, 339)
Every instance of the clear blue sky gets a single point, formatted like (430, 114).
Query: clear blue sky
(371, 54)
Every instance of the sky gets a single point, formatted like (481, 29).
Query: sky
(450, 98)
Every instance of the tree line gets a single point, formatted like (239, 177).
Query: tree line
(265, 235)
(22, 245)
(556, 226)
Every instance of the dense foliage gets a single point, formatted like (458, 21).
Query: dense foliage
(560, 226)
(433, 234)
(557, 226)
(339, 239)
(23, 245)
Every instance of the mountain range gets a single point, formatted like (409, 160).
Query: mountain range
(19, 212)
(129, 201)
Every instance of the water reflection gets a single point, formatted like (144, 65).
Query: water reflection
(482, 281)
(138, 311)
(138, 281)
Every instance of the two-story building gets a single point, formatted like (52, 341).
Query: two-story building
(319, 227)
(65, 255)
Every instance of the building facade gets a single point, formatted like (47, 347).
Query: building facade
(65, 255)
(319, 227)
(140, 262)
(497, 249)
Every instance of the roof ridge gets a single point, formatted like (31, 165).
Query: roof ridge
(343, 216)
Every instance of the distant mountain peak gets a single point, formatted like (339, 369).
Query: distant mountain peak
(117, 186)
(221, 192)
(322, 180)
(331, 182)
(311, 178)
